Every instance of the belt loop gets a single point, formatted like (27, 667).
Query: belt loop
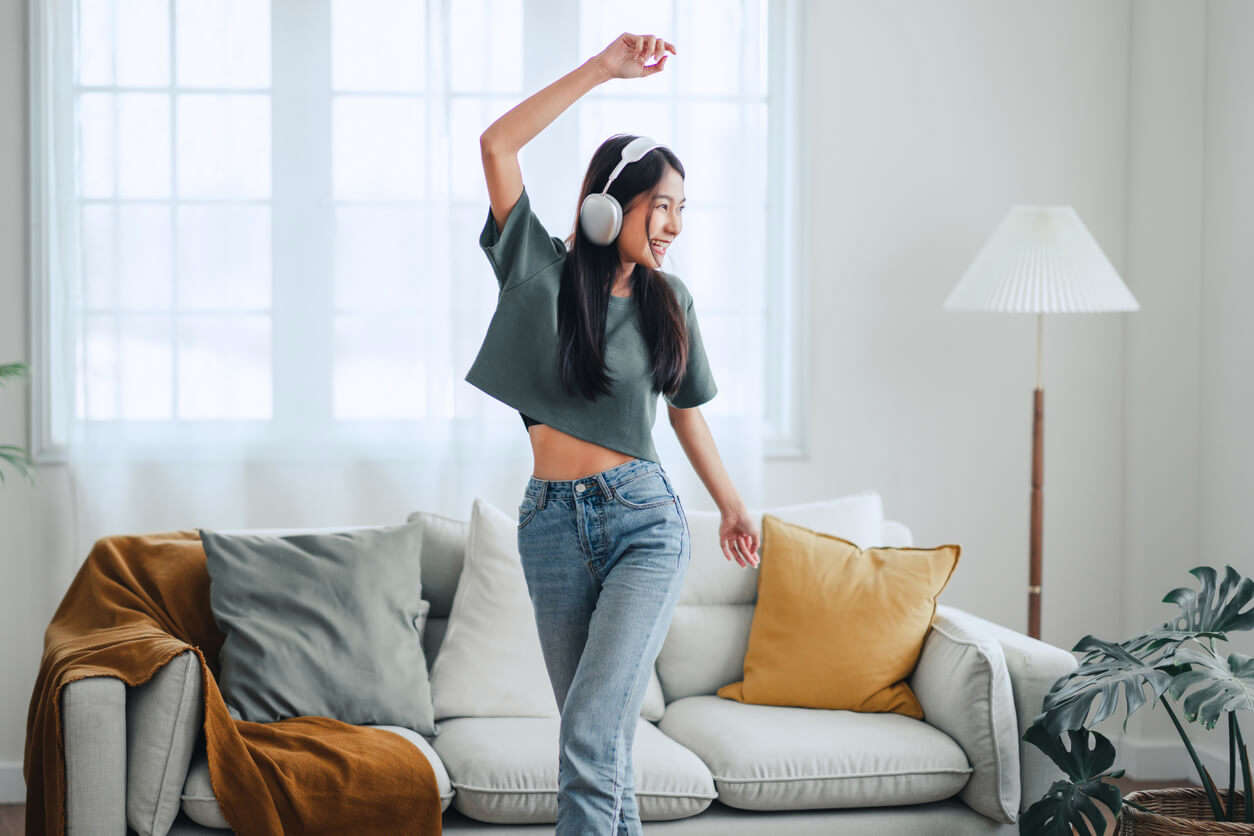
(605, 486)
(544, 492)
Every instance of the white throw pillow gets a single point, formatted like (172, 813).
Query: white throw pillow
(709, 633)
(490, 663)
(857, 517)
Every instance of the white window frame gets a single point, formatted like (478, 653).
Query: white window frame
(787, 362)
(786, 365)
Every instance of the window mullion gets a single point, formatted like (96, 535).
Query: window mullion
(787, 325)
(302, 220)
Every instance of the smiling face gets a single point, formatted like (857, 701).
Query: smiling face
(662, 213)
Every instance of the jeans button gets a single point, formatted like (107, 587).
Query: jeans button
(580, 487)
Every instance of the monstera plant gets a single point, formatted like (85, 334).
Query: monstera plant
(11, 453)
(1178, 660)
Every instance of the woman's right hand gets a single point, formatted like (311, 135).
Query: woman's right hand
(625, 57)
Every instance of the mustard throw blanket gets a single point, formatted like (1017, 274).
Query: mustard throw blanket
(135, 604)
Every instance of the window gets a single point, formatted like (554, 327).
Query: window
(255, 224)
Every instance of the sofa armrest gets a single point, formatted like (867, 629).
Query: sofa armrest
(163, 721)
(93, 728)
(1034, 666)
(964, 688)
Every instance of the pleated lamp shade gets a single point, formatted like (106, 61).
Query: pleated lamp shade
(1041, 259)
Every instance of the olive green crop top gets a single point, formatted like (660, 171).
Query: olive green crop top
(517, 361)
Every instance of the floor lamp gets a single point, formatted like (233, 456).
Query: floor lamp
(1040, 259)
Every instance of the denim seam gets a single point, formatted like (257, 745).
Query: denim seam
(631, 507)
(584, 545)
(638, 475)
(530, 516)
(635, 507)
(623, 732)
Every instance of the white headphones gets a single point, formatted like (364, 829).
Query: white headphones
(600, 215)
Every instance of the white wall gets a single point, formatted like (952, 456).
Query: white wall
(1189, 456)
(1226, 464)
(926, 121)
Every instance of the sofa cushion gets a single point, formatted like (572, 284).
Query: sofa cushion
(504, 770)
(709, 631)
(837, 626)
(165, 716)
(767, 757)
(443, 557)
(490, 663)
(963, 684)
(321, 624)
(201, 806)
(163, 719)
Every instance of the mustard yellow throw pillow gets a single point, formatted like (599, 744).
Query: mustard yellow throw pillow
(837, 626)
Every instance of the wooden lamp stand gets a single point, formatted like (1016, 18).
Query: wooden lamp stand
(1038, 493)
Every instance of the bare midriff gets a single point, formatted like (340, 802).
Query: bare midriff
(560, 456)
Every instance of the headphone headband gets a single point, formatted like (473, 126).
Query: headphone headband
(600, 215)
(632, 151)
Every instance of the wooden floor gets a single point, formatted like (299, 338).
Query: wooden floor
(13, 816)
(12, 819)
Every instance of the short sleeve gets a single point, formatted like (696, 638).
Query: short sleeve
(522, 248)
(697, 385)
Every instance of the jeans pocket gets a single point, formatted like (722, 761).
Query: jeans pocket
(649, 490)
(527, 510)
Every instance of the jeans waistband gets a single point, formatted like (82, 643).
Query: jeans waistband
(602, 482)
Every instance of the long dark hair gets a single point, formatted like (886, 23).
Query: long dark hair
(588, 275)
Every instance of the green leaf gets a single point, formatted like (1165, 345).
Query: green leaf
(1069, 700)
(17, 457)
(1225, 685)
(1071, 803)
(8, 370)
(1211, 612)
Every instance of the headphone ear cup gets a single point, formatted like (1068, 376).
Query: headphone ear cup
(601, 218)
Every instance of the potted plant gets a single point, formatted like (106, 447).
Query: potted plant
(1178, 660)
(11, 453)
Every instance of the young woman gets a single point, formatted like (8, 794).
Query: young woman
(586, 333)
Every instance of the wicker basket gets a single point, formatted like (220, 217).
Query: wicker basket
(1179, 810)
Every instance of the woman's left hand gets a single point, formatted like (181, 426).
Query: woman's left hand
(739, 537)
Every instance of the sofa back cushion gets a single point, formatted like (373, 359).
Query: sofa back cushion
(443, 557)
(298, 610)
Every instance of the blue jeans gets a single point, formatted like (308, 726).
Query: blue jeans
(604, 557)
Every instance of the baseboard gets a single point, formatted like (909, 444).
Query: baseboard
(12, 784)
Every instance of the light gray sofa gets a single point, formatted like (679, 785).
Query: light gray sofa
(708, 766)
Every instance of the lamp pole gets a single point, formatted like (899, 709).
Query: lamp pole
(1038, 492)
(1040, 259)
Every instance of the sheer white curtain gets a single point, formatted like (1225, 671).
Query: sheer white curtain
(264, 276)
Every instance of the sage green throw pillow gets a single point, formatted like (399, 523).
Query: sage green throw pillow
(322, 624)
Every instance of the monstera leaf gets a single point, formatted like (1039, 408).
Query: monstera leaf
(1205, 613)
(1210, 612)
(1071, 804)
(1226, 685)
(1166, 639)
(1067, 704)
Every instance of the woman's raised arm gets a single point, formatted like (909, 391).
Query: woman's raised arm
(499, 145)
